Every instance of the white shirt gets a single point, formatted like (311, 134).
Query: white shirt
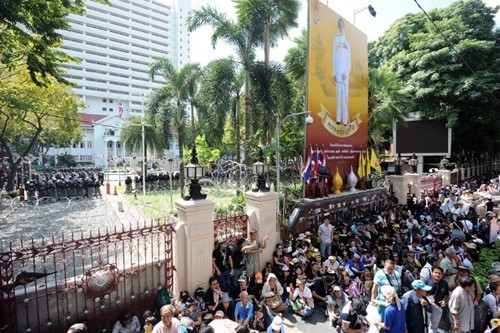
(325, 233)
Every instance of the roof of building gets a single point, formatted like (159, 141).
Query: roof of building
(86, 119)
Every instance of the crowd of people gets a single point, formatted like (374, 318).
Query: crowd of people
(407, 268)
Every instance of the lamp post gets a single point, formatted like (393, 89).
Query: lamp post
(309, 121)
(413, 163)
(134, 157)
(194, 172)
(399, 163)
(359, 10)
(260, 169)
(170, 158)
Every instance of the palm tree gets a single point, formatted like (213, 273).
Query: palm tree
(131, 136)
(167, 105)
(387, 102)
(216, 103)
(268, 19)
(241, 37)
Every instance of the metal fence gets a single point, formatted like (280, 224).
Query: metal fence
(232, 227)
(49, 284)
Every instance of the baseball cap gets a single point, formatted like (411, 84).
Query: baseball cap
(337, 288)
(359, 307)
(494, 323)
(420, 285)
(219, 313)
(277, 323)
(285, 268)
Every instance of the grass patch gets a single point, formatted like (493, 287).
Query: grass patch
(158, 203)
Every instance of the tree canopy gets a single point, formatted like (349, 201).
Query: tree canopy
(450, 67)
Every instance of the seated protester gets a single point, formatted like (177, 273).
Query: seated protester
(243, 312)
(339, 300)
(367, 279)
(213, 296)
(276, 326)
(356, 267)
(78, 328)
(267, 269)
(331, 265)
(322, 292)
(256, 284)
(271, 293)
(278, 259)
(313, 273)
(367, 259)
(127, 323)
(299, 273)
(149, 324)
(259, 320)
(227, 307)
(190, 311)
(286, 279)
(351, 317)
(345, 280)
(201, 306)
(302, 300)
(242, 286)
(317, 259)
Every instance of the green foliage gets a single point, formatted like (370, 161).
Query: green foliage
(206, 155)
(451, 72)
(66, 160)
(483, 265)
(236, 205)
(131, 136)
(29, 36)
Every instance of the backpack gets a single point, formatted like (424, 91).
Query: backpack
(163, 298)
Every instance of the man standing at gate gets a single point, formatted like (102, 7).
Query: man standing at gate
(325, 234)
(222, 263)
(253, 248)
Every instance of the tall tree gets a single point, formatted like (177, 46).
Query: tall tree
(217, 104)
(168, 104)
(450, 68)
(269, 19)
(241, 37)
(387, 102)
(27, 110)
(154, 137)
(29, 35)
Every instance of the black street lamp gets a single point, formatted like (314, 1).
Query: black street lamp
(260, 169)
(399, 163)
(194, 172)
(413, 163)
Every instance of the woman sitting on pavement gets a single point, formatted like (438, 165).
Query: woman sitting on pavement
(302, 300)
(271, 292)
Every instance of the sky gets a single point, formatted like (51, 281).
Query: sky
(388, 11)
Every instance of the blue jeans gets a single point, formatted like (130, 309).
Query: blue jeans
(225, 281)
(236, 276)
(325, 249)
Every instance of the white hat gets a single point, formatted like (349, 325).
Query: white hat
(337, 288)
(219, 313)
(277, 323)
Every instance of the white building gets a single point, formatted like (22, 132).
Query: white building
(115, 45)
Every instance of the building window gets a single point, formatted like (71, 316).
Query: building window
(110, 109)
(89, 144)
(111, 101)
(104, 100)
(118, 145)
(104, 109)
(74, 145)
(82, 145)
(110, 144)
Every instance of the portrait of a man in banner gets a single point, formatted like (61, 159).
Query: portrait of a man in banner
(337, 93)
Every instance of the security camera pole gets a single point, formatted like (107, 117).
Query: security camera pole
(309, 121)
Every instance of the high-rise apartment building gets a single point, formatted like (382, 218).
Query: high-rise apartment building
(115, 45)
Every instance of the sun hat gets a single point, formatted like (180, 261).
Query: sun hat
(277, 323)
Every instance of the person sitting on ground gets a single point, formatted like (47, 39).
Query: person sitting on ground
(339, 300)
(259, 321)
(322, 293)
(213, 295)
(149, 324)
(352, 317)
(128, 323)
(271, 293)
(78, 328)
(227, 306)
(302, 300)
(243, 312)
(168, 323)
(277, 325)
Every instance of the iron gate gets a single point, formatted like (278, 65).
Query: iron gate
(49, 284)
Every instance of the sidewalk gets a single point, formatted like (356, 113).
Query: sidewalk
(123, 209)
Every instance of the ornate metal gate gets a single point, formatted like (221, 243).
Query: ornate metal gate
(49, 284)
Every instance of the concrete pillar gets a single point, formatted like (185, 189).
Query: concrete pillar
(407, 183)
(445, 175)
(262, 208)
(194, 243)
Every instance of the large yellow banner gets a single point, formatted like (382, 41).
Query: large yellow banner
(337, 89)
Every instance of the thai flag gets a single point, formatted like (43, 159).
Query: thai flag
(320, 154)
(308, 167)
(121, 109)
(356, 289)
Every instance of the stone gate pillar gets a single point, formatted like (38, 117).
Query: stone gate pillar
(404, 185)
(194, 244)
(262, 208)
